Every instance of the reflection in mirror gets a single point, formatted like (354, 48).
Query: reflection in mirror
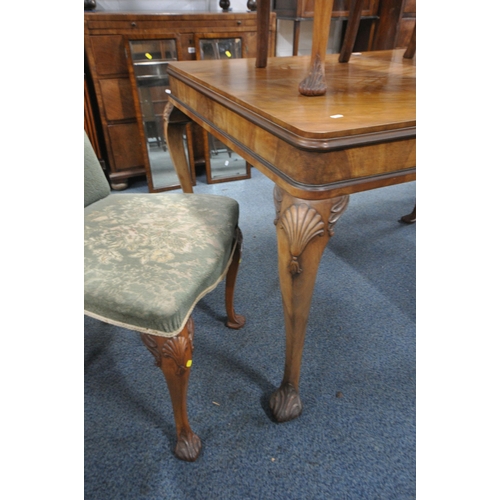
(220, 48)
(222, 163)
(150, 59)
(163, 174)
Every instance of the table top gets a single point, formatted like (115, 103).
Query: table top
(360, 135)
(371, 98)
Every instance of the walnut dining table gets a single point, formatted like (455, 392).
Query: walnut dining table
(359, 135)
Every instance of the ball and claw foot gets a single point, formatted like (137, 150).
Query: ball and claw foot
(285, 403)
(188, 447)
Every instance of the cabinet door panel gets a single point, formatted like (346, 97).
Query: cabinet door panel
(117, 99)
(109, 55)
(126, 145)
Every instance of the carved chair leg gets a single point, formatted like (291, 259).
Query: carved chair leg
(234, 320)
(174, 356)
(303, 229)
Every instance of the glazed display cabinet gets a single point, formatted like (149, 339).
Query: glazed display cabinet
(125, 69)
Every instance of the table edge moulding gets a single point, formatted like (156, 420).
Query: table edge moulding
(237, 88)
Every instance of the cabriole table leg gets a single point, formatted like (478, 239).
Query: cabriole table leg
(303, 228)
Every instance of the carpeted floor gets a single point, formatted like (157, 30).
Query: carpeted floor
(356, 436)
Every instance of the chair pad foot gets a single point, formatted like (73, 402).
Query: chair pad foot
(237, 322)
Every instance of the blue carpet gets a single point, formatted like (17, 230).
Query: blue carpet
(356, 436)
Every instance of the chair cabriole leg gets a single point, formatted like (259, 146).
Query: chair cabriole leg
(174, 356)
(234, 320)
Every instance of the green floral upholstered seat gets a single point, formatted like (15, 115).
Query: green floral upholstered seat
(149, 258)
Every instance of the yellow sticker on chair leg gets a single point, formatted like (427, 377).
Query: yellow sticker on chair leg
(189, 363)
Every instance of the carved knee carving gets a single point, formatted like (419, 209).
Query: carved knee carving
(301, 222)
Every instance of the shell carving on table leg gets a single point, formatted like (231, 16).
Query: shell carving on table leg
(301, 224)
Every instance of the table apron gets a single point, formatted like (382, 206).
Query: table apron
(307, 174)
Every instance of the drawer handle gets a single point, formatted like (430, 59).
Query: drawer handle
(133, 24)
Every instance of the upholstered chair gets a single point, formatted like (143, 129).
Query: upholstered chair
(149, 258)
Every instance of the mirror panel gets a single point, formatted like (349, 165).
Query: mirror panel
(222, 164)
(150, 59)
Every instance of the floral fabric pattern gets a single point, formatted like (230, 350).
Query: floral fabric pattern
(150, 257)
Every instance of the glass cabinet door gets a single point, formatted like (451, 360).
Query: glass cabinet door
(220, 48)
(150, 59)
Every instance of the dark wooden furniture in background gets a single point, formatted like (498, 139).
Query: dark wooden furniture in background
(384, 24)
(396, 27)
(108, 56)
(90, 125)
(395, 24)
